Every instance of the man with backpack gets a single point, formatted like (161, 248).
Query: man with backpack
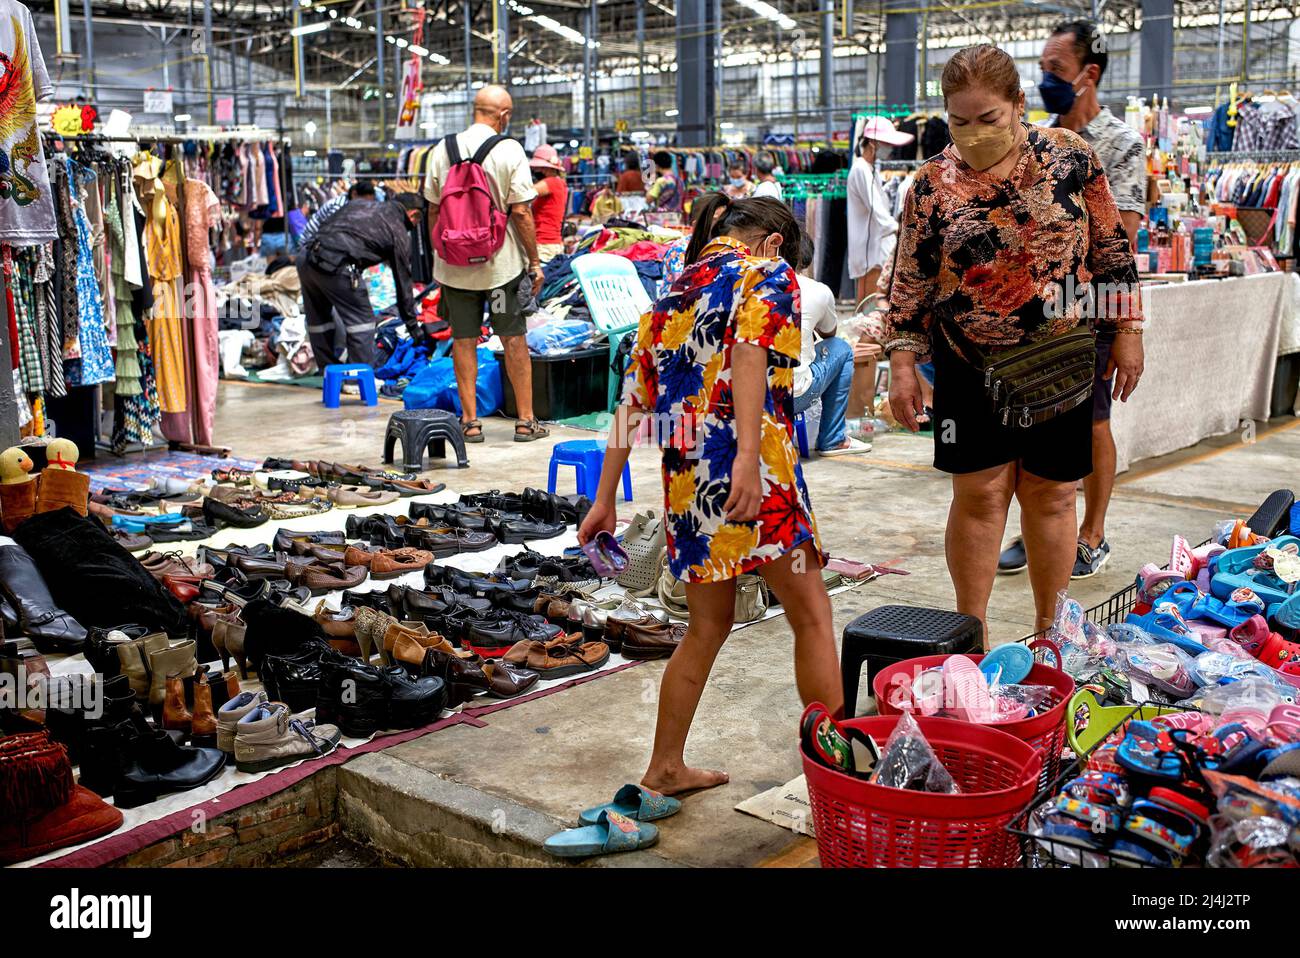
(480, 190)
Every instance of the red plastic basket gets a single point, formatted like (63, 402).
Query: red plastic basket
(892, 688)
(860, 825)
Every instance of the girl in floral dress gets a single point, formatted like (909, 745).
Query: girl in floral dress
(713, 368)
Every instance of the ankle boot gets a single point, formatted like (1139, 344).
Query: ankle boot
(133, 657)
(203, 727)
(62, 487)
(155, 765)
(175, 716)
(104, 757)
(177, 660)
(228, 717)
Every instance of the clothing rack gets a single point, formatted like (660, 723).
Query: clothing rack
(1254, 156)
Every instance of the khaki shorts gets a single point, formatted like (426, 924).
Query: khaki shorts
(463, 310)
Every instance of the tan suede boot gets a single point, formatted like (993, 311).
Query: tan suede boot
(62, 487)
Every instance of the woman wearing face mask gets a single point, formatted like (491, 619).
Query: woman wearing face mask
(738, 184)
(714, 363)
(872, 226)
(1002, 235)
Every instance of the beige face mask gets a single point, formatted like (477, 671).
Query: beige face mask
(983, 146)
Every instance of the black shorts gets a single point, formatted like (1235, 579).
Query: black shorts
(463, 310)
(968, 436)
(1101, 387)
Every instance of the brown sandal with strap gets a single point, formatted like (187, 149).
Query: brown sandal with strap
(465, 428)
(532, 430)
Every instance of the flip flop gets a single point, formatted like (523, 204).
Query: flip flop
(635, 802)
(611, 833)
(1014, 660)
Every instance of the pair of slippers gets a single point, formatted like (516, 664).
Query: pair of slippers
(622, 825)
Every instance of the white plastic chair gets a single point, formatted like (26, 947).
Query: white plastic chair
(615, 298)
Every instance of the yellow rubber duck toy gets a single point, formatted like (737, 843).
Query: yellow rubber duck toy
(17, 488)
(60, 484)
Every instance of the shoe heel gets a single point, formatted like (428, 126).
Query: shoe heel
(133, 796)
(593, 633)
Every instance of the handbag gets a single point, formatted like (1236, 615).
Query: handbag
(1028, 385)
(752, 597)
(644, 541)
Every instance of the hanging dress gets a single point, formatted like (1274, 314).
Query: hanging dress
(96, 364)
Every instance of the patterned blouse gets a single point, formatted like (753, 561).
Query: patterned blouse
(680, 371)
(1010, 261)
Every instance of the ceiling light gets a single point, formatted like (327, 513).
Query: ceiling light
(390, 38)
(419, 51)
(768, 12)
(182, 118)
(726, 126)
(334, 14)
(310, 127)
(402, 43)
(309, 28)
(308, 152)
(1198, 110)
(670, 112)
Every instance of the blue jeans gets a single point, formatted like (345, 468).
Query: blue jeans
(832, 379)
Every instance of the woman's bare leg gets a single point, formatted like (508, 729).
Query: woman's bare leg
(712, 608)
(797, 579)
(1049, 523)
(976, 521)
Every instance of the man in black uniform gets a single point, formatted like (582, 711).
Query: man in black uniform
(355, 238)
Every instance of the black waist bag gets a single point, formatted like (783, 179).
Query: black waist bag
(1031, 384)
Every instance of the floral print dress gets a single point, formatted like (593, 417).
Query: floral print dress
(680, 374)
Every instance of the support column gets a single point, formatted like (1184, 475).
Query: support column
(468, 15)
(88, 67)
(1156, 73)
(640, 58)
(827, 10)
(593, 101)
(380, 66)
(208, 51)
(503, 42)
(695, 73)
(900, 53)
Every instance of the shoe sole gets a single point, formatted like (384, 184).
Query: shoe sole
(268, 764)
(445, 552)
(1016, 571)
(564, 671)
(634, 652)
(1088, 575)
(487, 651)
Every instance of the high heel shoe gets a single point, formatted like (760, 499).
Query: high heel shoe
(228, 634)
(370, 626)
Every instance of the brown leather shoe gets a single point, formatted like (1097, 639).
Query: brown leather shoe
(506, 681)
(340, 628)
(562, 656)
(388, 563)
(320, 579)
(175, 716)
(162, 564)
(408, 642)
(203, 720)
(651, 642)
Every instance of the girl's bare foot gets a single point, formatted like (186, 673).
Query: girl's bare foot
(683, 779)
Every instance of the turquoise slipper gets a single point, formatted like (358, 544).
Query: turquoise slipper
(635, 802)
(611, 833)
(1013, 660)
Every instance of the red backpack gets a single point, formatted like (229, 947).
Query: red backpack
(470, 228)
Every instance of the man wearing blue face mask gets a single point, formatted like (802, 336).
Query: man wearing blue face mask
(1073, 62)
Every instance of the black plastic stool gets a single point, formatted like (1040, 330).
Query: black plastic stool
(420, 429)
(893, 633)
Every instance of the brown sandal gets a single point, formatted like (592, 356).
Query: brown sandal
(532, 430)
(465, 428)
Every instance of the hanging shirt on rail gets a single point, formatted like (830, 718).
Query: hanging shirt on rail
(26, 203)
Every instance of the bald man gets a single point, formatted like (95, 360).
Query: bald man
(493, 286)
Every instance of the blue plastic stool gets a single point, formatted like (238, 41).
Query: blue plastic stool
(801, 434)
(334, 377)
(587, 457)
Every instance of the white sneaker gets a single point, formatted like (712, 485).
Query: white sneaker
(851, 447)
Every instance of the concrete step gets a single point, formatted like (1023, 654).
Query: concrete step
(424, 820)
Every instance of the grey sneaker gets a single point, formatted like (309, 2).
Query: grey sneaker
(269, 736)
(230, 713)
(1090, 561)
(1013, 558)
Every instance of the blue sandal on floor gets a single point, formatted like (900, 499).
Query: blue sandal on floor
(611, 833)
(635, 802)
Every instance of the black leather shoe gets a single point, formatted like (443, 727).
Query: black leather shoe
(287, 539)
(49, 627)
(491, 635)
(102, 654)
(516, 529)
(354, 697)
(156, 765)
(413, 702)
(221, 514)
(446, 541)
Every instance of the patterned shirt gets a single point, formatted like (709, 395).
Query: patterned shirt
(681, 371)
(1265, 126)
(1123, 157)
(1009, 262)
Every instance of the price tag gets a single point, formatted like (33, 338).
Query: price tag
(158, 101)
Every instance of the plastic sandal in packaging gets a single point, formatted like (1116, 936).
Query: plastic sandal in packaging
(907, 761)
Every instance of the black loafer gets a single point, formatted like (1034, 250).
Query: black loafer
(517, 529)
(221, 514)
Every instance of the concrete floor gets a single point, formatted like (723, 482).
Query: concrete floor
(545, 760)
